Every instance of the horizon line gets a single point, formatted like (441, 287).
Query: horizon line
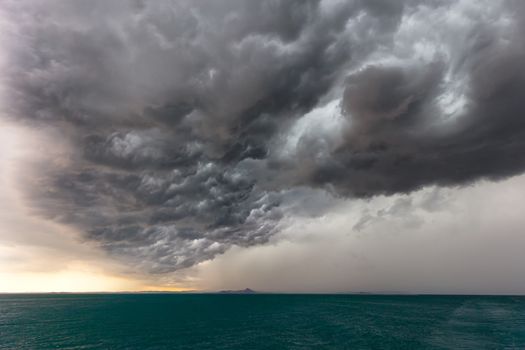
(226, 292)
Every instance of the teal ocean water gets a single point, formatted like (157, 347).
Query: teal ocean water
(260, 321)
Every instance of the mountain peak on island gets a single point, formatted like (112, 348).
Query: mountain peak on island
(240, 291)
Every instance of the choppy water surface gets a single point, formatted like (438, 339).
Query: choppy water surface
(259, 321)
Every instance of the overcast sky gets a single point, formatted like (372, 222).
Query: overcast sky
(310, 146)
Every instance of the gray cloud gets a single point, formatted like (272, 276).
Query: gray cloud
(177, 112)
(400, 136)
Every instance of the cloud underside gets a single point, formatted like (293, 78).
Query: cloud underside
(195, 126)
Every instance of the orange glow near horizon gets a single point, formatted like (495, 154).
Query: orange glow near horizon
(76, 279)
(63, 281)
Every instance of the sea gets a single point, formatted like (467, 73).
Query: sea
(260, 321)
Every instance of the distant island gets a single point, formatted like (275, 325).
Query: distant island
(241, 291)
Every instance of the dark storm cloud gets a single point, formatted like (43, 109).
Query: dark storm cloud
(176, 112)
(398, 140)
(162, 102)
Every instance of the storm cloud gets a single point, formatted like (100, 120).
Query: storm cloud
(197, 126)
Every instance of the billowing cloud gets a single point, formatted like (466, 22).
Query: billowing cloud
(196, 126)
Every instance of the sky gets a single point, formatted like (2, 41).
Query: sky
(295, 146)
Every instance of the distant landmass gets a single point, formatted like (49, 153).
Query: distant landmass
(241, 291)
